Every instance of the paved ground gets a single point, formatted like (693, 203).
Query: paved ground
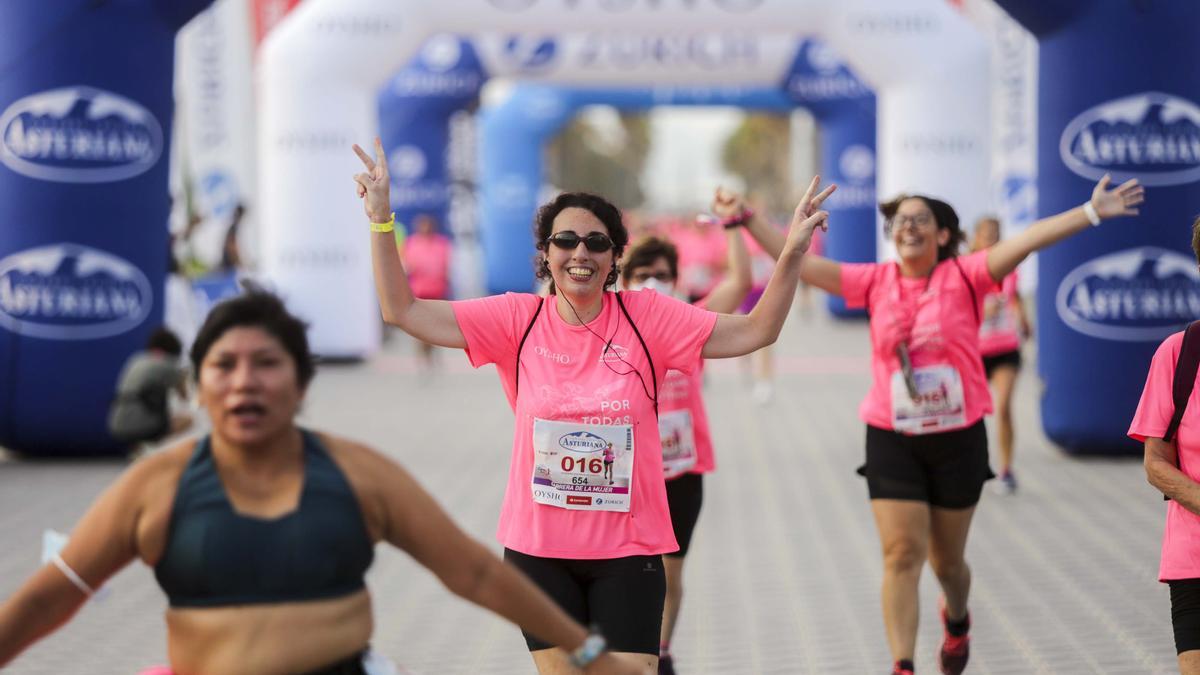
(785, 566)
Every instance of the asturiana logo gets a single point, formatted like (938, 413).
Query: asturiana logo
(1136, 295)
(71, 292)
(1152, 136)
(529, 54)
(582, 441)
(79, 135)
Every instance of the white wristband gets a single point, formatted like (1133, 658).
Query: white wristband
(72, 576)
(1090, 212)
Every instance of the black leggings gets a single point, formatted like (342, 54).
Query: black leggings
(351, 665)
(622, 596)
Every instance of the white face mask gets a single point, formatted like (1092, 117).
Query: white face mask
(655, 285)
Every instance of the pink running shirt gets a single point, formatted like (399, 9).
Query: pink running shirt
(937, 312)
(1181, 538)
(999, 334)
(564, 378)
(427, 261)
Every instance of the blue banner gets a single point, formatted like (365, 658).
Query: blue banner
(85, 119)
(414, 112)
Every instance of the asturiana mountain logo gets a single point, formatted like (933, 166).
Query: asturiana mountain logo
(582, 441)
(1135, 295)
(1152, 136)
(79, 135)
(71, 292)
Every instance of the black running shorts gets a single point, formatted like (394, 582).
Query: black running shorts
(622, 596)
(991, 363)
(945, 469)
(685, 495)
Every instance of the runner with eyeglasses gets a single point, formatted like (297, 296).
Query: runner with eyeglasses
(653, 263)
(926, 446)
(582, 368)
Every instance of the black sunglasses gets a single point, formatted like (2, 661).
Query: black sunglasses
(596, 242)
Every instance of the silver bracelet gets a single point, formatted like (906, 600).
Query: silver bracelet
(591, 649)
(1090, 212)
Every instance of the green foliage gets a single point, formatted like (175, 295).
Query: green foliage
(758, 152)
(580, 158)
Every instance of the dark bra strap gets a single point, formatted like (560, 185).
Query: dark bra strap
(521, 345)
(653, 375)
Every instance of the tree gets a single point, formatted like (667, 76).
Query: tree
(582, 158)
(758, 151)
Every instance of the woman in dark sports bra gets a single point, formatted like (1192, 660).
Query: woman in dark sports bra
(260, 533)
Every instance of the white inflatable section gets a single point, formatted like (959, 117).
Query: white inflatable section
(929, 68)
(214, 97)
(321, 68)
(1014, 66)
(630, 59)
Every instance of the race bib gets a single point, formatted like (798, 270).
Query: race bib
(588, 467)
(678, 442)
(938, 405)
(1001, 319)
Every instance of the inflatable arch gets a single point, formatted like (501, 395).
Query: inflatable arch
(321, 68)
(515, 132)
(1106, 298)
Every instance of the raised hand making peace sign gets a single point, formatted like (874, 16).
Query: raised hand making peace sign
(374, 184)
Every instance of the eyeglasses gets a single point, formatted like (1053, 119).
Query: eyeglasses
(920, 220)
(596, 242)
(640, 277)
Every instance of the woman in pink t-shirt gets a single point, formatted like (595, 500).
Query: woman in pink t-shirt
(581, 369)
(1005, 324)
(1173, 466)
(926, 446)
(1003, 327)
(427, 259)
(683, 420)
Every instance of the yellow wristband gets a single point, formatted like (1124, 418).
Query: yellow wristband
(385, 227)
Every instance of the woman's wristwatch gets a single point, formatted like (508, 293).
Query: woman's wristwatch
(591, 649)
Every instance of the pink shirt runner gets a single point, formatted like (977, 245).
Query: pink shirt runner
(998, 333)
(937, 312)
(566, 375)
(1181, 538)
(427, 261)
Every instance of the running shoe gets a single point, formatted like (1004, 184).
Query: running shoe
(897, 670)
(665, 665)
(1007, 485)
(955, 649)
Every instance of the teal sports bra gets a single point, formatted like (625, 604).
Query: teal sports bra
(216, 557)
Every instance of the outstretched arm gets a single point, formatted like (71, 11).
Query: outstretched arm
(101, 544)
(815, 270)
(430, 321)
(738, 335)
(415, 523)
(728, 295)
(1004, 257)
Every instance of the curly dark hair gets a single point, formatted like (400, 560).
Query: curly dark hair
(604, 210)
(648, 249)
(256, 308)
(943, 215)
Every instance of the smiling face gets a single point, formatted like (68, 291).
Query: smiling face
(578, 272)
(915, 232)
(249, 385)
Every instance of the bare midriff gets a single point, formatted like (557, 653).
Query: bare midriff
(268, 639)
